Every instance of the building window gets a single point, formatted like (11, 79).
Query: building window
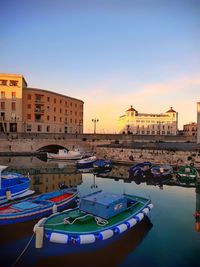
(48, 117)
(54, 118)
(29, 106)
(60, 110)
(71, 120)
(28, 128)
(48, 99)
(13, 95)
(13, 105)
(29, 116)
(3, 82)
(54, 100)
(13, 83)
(29, 96)
(54, 109)
(163, 132)
(60, 119)
(39, 128)
(71, 104)
(48, 128)
(3, 105)
(60, 101)
(3, 94)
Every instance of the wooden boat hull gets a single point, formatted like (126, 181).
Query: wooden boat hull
(10, 214)
(57, 231)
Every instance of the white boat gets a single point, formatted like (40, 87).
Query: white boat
(65, 154)
(86, 163)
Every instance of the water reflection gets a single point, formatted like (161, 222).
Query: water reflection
(172, 217)
(108, 253)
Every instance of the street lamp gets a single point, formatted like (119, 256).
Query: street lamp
(95, 122)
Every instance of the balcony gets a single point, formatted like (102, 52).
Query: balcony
(39, 111)
(39, 120)
(39, 101)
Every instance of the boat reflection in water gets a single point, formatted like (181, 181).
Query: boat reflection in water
(108, 253)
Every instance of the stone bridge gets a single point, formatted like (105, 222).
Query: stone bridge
(32, 142)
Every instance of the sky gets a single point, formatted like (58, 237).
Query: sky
(109, 53)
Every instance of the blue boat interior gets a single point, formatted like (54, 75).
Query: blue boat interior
(8, 182)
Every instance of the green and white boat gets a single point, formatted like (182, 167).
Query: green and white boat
(100, 216)
(187, 174)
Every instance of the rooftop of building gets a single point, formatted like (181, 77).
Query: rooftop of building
(9, 75)
(40, 91)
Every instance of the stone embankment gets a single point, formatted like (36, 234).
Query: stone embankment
(131, 155)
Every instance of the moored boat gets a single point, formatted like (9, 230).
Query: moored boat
(140, 169)
(37, 207)
(13, 185)
(187, 174)
(100, 216)
(86, 162)
(65, 154)
(102, 165)
(163, 170)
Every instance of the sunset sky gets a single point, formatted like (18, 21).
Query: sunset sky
(109, 53)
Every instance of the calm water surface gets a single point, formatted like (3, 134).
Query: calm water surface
(168, 237)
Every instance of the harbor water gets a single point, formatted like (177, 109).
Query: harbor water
(168, 237)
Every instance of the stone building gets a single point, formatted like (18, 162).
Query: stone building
(146, 123)
(24, 109)
(198, 122)
(190, 129)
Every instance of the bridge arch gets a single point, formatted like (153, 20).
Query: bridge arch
(53, 148)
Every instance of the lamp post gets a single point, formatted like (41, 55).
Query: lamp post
(95, 122)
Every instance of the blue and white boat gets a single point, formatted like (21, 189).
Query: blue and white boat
(140, 170)
(37, 206)
(86, 163)
(163, 170)
(102, 165)
(100, 216)
(13, 185)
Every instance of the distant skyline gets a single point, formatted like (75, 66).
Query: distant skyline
(109, 53)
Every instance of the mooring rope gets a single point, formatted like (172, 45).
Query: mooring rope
(18, 258)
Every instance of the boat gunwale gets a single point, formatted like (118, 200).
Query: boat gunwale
(51, 230)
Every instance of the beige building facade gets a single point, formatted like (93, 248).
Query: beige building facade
(198, 122)
(148, 124)
(190, 129)
(24, 109)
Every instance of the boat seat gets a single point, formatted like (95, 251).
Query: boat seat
(25, 205)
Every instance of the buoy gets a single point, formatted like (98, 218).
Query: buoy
(150, 206)
(54, 208)
(86, 239)
(59, 238)
(132, 222)
(139, 216)
(39, 232)
(145, 211)
(105, 234)
(121, 228)
(8, 194)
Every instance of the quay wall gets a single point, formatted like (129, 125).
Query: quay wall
(131, 156)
